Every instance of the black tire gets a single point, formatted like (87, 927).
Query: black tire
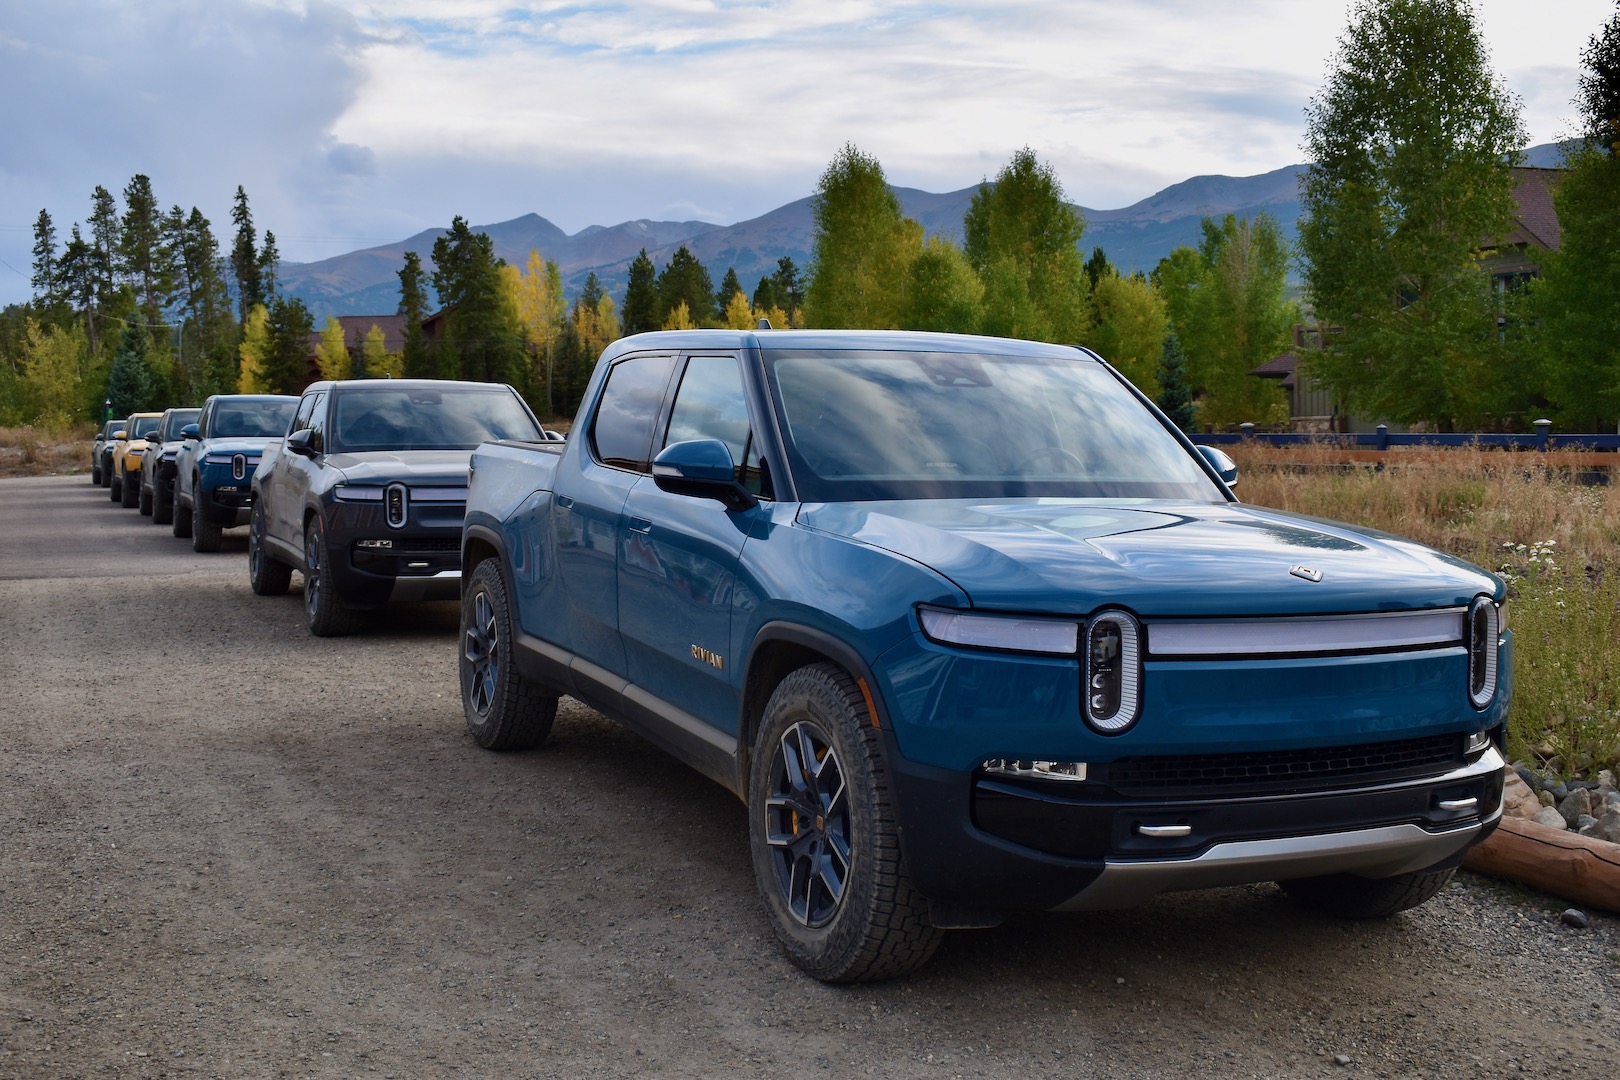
(105, 472)
(856, 917)
(325, 611)
(1351, 897)
(163, 503)
(115, 490)
(204, 535)
(129, 492)
(146, 501)
(95, 473)
(268, 575)
(504, 711)
(180, 524)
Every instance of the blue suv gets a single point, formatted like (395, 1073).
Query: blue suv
(213, 478)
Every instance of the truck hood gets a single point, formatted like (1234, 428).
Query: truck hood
(437, 468)
(238, 444)
(1155, 558)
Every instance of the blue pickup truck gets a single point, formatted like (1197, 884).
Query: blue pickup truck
(970, 627)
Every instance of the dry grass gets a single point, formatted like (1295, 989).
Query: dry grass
(31, 451)
(1556, 540)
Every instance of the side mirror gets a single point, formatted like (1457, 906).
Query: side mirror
(120, 435)
(1224, 466)
(701, 467)
(299, 442)
(190, 431)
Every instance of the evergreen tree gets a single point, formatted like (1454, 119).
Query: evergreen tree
(729, 288)
(640, 308)
(483, 339)
(1410, 142)
(245, 265)
(269, 263)
(686, 281)
(143, 258)
(46, 277)
(1174, 396)
(104, 244)
(1599, 96)
(863, 247)
(1021, 236)
(1098, 267)
(130, 385)
(418, 361)
(286, 363)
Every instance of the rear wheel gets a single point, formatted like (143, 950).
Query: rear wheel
(268, 575)
(326, 613)
(504, 711)
(824, 837)
(1351, 897)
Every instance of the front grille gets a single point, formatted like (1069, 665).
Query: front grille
(1282, 770)
(451, 545)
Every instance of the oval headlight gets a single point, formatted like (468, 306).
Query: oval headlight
(1484, 631)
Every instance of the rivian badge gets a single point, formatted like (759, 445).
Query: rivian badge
(1306, 572)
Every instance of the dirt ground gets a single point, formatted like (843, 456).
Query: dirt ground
(228, 849)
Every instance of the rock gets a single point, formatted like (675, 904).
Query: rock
(1605, 779)
(1575, 917)
(1608, 827)
(1586, 825)
(1550, 818)
(1575, 805)
(1519, 798)
(1531, 779)
(1342, 1059)
(1559, 789)
(1545, 797)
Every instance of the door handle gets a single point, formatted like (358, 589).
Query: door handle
(640, 525)
(565, 502)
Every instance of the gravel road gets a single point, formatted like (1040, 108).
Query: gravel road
(230, 850)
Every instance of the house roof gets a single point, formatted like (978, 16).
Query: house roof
(1535, 222)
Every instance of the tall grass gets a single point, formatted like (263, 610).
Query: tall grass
(43, 451)
(1554, 539)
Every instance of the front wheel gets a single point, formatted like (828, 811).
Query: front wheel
(146, 501)
(181, 523)
(325, 611)
(1351, 897)
(163, 503)
(504, 711)
(824, 837)
(204, 534)
(129, 491)
(115, 490)
(268, 575)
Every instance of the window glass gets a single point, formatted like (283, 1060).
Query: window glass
(448, 416)
(906, 425)
(145, 425)
(248, 418)
(317, 423)
(306, 407)
(621, 433)
(710, 405)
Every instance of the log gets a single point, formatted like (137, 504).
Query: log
(1566, 864)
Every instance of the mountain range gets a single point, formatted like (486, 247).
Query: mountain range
(1135, 237)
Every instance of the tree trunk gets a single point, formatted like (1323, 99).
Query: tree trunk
(1562, 863)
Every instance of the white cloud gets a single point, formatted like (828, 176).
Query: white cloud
(358, 121)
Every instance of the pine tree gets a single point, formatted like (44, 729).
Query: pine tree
(45, 280)
(245, 257)
(130, 385)
(286, 364)
(143, 257)
(483, 339)
(685, 281)
(640, 308)
(418, 360)
(1174, 396)
(269, 263)
(729, 288)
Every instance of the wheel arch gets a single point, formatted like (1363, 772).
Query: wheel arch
(781, 648)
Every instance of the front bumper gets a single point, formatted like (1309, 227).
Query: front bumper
(991, 844)
(224, 498)
(421, 560)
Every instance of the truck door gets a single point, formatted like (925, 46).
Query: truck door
(678, 557)
(591, 486)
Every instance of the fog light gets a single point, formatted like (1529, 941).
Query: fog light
(1477, 744)
(1039, 770)
(374, 543)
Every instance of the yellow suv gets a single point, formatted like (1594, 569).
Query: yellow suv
(126, 456)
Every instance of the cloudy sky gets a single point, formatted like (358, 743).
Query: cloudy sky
(357, 122)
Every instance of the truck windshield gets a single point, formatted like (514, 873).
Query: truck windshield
(448, 417)
(863, 426)
(252, 419)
